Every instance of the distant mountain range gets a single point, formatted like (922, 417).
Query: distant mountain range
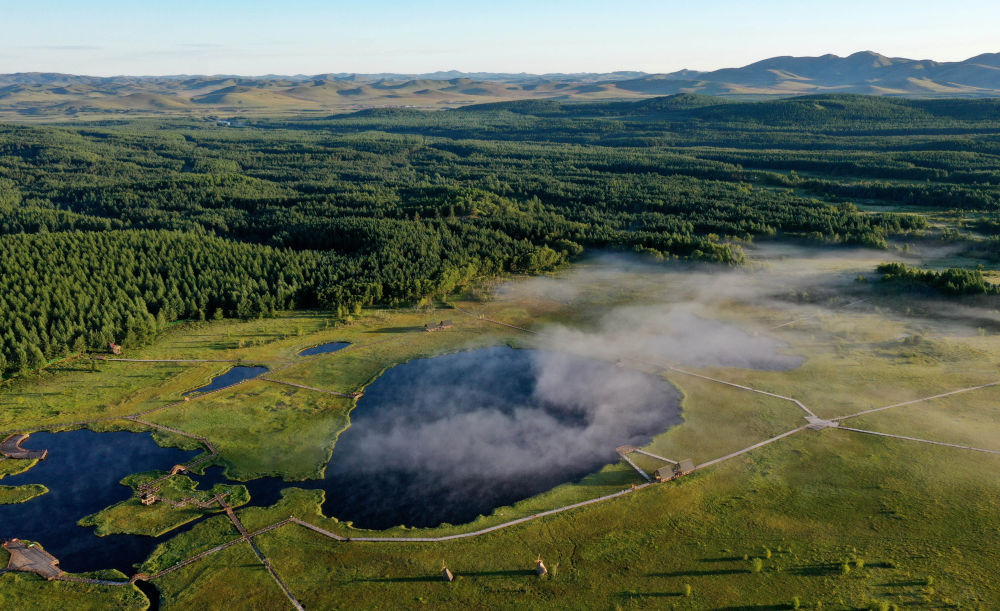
(52, 95)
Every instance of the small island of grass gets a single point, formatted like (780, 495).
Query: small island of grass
(15, 466)
(161, 506)
(12, 495)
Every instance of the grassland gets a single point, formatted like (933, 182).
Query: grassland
(845, 519)
(12, 495)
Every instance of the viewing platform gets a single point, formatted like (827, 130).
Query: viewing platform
(31, 558)
(11, 448)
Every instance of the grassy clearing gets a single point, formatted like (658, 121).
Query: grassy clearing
(12, 495)
(134, 518)
(719, 419)
(79, 389)
(203, 536)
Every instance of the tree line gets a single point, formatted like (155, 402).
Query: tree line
(110, 230)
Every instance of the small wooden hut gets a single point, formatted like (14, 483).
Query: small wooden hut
(669, 472)
(114, 348)
(446, 574)
(441, 326)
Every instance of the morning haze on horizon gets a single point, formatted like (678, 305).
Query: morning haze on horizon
(551, 304)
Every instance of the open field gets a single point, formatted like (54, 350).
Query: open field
(845, 518)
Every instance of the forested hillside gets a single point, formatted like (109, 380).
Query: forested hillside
(111, 230)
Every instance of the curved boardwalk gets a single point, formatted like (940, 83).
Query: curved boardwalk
(11, 448)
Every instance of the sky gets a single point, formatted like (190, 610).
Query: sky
(111, 37)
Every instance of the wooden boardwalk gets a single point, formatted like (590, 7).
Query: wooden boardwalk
(312, 388)
(753, 447)
(172, 360)
(656, 456)
(644, 475)
(256, 550)
(917, 439)
(747, 388)
(944, 394)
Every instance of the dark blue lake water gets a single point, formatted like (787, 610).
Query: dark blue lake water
(324, 348)
(233, 376)
(82, 473)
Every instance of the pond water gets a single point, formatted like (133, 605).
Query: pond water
(233, 376)
(449, 438)
(324, 348)
(83, 472)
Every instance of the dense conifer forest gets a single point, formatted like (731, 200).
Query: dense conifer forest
(110, 230)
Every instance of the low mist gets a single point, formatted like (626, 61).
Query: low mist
(456, 436)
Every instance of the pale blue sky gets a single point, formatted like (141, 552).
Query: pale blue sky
(105, 37)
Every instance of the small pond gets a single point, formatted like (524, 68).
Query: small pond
(83, 472)
(324, 348)
(449, 438)
(233, 376)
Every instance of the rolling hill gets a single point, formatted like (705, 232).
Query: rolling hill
(53, 95)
